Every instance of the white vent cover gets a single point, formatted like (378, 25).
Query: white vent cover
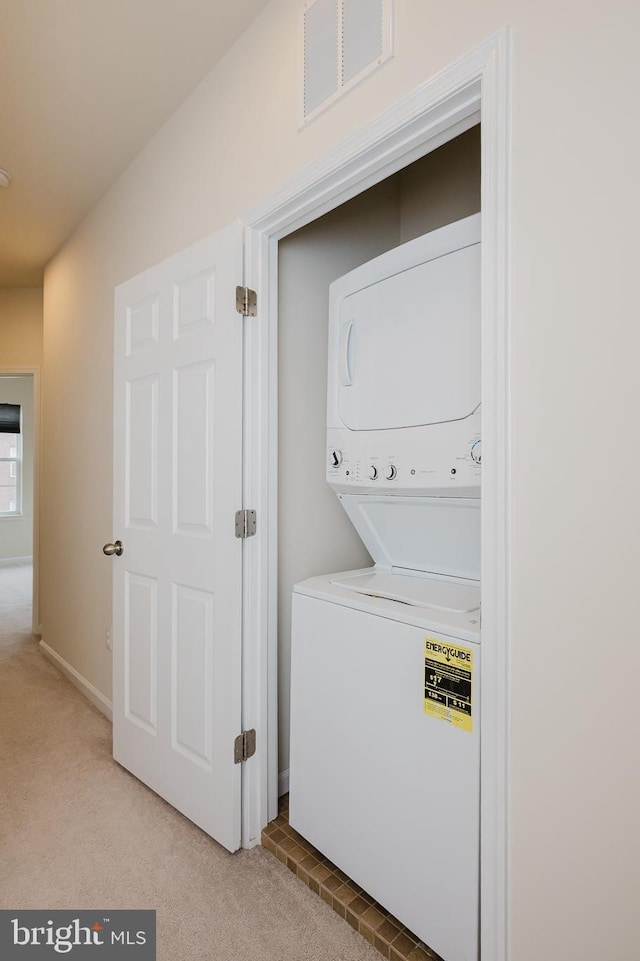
(343, 41)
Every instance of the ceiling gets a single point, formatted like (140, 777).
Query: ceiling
(84, 84)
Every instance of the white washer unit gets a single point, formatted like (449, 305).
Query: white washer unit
(385, 748)
(388, 793)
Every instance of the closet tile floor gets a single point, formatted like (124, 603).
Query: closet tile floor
(369, 918)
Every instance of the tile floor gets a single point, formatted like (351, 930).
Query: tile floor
(370, 919)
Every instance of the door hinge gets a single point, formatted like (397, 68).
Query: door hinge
(244, 746)
(245, 523)
(246, 301)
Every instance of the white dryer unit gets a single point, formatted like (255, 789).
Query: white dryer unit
(403, 392)
(385, 758)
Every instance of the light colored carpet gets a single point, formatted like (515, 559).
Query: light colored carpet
(77, 831)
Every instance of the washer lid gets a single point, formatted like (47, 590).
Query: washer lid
(464, 626)
(436, 535)
(434, 593)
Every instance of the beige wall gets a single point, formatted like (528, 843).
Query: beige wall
(442, 187)
(20, 327)
(574, 784)
(315, 535)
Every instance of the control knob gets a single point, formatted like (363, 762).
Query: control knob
(391, 472)
(373, 472)
(335, 459)
(476, 452)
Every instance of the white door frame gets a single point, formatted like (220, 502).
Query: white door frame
(35, 373)
(476, 87)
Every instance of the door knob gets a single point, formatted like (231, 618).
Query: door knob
(110, 549)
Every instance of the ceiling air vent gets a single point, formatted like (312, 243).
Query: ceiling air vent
(344, 41)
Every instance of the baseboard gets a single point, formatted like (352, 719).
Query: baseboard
(283, 782)
(86, 687)
(16, 561)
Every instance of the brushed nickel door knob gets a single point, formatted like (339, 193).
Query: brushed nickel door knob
(115, 548)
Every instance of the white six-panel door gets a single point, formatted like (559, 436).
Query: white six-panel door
(177, 485)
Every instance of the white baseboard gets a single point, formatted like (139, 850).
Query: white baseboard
(16, 561)
(283, 782)
(86, 687)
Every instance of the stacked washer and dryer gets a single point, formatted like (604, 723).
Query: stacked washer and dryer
(385, 663)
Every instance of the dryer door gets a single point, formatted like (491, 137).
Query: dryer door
(406, 340)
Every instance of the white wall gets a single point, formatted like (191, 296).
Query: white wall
(16, 533)
(574, 784)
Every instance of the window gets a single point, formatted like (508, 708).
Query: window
(10, 461)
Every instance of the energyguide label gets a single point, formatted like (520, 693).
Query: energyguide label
(448, 682)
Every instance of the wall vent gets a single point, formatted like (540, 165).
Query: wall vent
(343, 42)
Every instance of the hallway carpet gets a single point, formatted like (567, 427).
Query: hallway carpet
(78, 832)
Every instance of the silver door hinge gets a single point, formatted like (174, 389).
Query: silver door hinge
(245, 523)
(246, 301)
(244, 746)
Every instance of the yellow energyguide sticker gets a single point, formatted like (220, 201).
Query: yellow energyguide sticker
(448, 682)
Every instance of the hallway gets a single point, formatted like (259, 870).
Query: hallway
(78, 831)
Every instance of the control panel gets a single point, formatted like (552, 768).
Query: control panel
(439, 460)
